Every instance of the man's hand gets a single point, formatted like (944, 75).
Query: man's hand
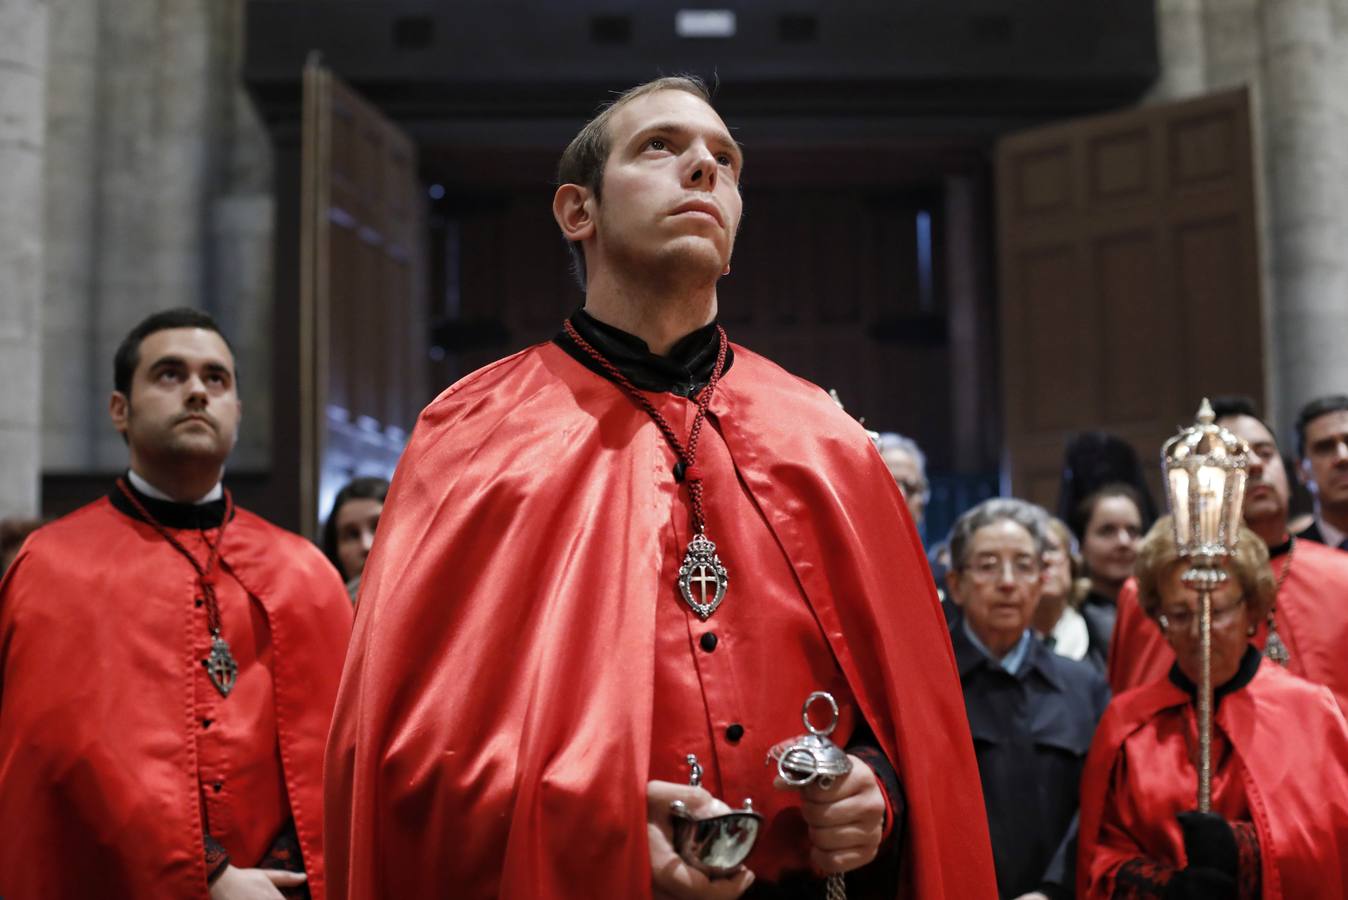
(846, 821)
(671, 877)
(254, 884)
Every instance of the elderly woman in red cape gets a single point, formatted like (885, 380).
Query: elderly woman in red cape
(1279, 820)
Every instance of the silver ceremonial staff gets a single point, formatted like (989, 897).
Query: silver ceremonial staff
(1205, 468)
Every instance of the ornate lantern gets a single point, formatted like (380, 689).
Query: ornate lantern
(1205, 469)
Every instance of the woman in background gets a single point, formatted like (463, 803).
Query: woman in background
(348, 533)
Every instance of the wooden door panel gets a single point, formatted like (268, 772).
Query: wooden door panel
(362, 307)
(1129, 278)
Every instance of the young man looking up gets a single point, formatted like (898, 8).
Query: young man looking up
(546, 630)
(168, 663)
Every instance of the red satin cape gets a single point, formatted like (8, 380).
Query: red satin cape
(1312, 617)
(1292, 744)
(492, 732)
(99, 789)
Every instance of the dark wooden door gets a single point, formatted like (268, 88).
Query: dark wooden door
(1129, 279)
(363, 329)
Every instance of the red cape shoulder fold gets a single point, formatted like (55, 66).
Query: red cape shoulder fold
(1312, 617)
(97, 749)
(1292, 743)
(493, 726)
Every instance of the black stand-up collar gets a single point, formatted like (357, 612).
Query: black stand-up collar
(199, 516)
(684, 371)
(1249, 664)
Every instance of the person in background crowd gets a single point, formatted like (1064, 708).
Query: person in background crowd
(1322, 455)
(1057, 619)
(1094, 459)
(544, 634)
(348, 533)
(1031, 711)
(1310, 618)
(1108, 523)
(1279, 820)
(168, 663)
(12, 535)
(908, 464)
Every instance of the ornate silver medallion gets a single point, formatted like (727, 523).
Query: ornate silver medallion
(702, 578)
(1274, 648)
(221, 667)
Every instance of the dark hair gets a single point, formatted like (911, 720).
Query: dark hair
(363, 488)
(1314, 410)
(128, 352)
(1094, 459)
(1229, 406)
(1081, 516)
(998, 509)
(584, 159)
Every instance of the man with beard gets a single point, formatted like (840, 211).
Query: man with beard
(1307, 630)
(1322, 454)
(168, 663)
(634, 543)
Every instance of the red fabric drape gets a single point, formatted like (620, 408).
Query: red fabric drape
(492, 732)
(99, 785)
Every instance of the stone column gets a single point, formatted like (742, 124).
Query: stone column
(1179, 38)
(23, 80)
(74, 388)
(1305, 122)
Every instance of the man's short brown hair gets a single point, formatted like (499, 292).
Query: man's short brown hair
(1249, 565)
(584, 159)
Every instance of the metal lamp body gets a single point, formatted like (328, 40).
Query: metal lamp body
(1205, 469)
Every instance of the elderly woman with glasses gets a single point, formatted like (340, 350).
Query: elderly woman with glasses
(1032, 712)
(1279, 820)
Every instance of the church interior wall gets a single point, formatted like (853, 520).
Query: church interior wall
(148, 177)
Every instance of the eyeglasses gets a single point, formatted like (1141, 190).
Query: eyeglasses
(1022, 568)
(1185, 619)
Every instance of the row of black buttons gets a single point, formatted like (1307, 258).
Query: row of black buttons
(736, 731)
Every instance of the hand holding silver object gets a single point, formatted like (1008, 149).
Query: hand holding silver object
(714, 845)
(812, 757)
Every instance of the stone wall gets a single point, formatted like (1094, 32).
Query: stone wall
(1293, 54)
(23, 71)
(157, 195)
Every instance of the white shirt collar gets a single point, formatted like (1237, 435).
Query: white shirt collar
(1333, 537)
(150, 490)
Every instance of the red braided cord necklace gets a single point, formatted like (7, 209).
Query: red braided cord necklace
(701, 567)
(220, 665)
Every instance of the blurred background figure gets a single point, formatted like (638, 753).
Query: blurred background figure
(1058, 620)
(348, 533)
(1032, 712)
(12, 534)
(1108, 524)
(1274, 800)
(908, 464)
(1096, 459)
(1322, 456)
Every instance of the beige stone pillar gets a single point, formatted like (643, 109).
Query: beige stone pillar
(74, 388)
(1179, 39)
(23, 74)
(1305, 131)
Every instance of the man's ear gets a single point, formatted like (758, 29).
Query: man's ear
(952, 587)
(573, 207)
(119, 409)
(1304, 474)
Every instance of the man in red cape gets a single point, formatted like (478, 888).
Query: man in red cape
(535, 655)
(1311, 614)
(168, 664)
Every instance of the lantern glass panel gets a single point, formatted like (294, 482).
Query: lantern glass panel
(1211, 488)
(1179, 505)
